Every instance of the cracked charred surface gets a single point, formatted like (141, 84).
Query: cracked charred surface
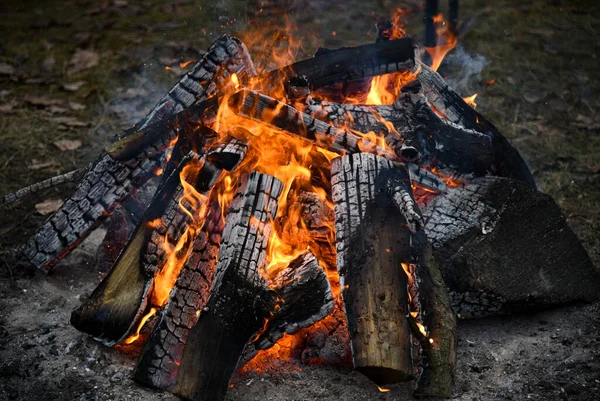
(372, 240)
(158, 363)
(109, 180)
(240, 301)
(505, 247)
(121, 298)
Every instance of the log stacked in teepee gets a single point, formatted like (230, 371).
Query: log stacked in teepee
(429, 208)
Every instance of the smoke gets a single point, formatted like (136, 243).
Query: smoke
(463, 70)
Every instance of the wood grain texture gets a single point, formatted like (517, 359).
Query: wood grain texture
(374, 217)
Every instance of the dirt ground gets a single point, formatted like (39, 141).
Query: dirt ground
(73, 73)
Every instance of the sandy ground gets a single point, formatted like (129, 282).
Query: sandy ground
(543, 99)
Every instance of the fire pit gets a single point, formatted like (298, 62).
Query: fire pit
(352, 195)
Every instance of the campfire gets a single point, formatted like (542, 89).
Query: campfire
(342, 208)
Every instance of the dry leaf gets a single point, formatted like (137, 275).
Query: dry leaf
(67, 144)
(38, 164)
(76, 106)
(70, 122)
(48, 64)
(6, 69)
(43, 101)
(73, 86)
(57, 110)
(48, 206)
(8, 107)
(82, 60)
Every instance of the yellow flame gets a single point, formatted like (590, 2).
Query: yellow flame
(135, 336)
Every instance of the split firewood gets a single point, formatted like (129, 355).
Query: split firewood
(158, 363)
(133, 160)
(440, 341)
(375, 215)
(240, 302)
(123, 296)
(496, 238)
(304, 297)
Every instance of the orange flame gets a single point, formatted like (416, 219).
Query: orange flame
(301, 166)
(446, 41)
(186, 63)
(470, 100)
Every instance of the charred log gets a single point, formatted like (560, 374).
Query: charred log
(136, 156)
(240, 302)
(373, 230)
(122, 297)
(226, 56)
(266, 110)
(347, 64)
(439, 143)
(158, 364)
(503, 246)
(304, 296)
(439, 346)
(508, 162)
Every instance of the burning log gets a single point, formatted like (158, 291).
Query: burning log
(373, 231)
(439, 144)
(346, 64)
(159, 361)
(266, 110)
(304, 298)
(240, 303)
(122, 297)
(133, 160)
(507, 160)
(503, 247)
(226, 56)
(216, 312)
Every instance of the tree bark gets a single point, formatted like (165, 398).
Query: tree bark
(439, 347)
